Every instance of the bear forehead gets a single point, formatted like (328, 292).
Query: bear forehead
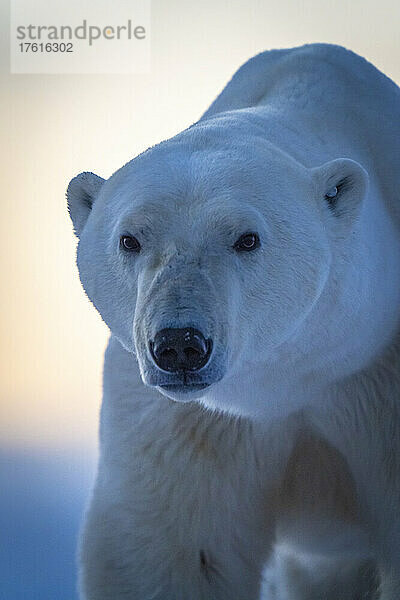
(206, 169)
(194, 217)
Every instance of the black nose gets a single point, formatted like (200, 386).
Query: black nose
(184, 349)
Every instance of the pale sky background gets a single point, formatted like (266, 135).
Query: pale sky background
(55, 126)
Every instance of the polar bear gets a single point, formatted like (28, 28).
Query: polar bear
(249, 271)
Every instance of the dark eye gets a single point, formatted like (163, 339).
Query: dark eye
(247, 242)
(129, 243)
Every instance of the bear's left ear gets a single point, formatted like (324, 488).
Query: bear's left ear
(82, 191)
(342, 184)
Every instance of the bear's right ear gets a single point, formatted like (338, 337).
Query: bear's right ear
(82, 191)
(342, 184)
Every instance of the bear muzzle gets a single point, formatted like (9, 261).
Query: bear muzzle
(180, 349)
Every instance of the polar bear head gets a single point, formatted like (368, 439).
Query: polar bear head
(214, 258)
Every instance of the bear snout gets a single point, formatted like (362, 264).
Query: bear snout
(180, 349)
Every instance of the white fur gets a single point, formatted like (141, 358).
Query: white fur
(188, 499)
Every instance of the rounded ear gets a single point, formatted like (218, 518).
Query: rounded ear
(342, 184)
(82, 191)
